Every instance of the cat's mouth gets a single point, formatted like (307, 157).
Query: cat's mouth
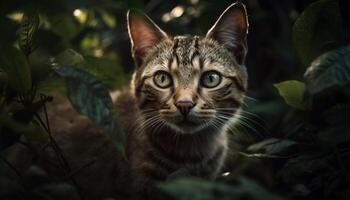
(189, 125)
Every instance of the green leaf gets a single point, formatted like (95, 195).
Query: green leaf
(69, 57)
(91, 98)
(272, 146)
(330, 70)
(293, 93)
(51, 84)
(108, 19)
(64, 25)
(14, 63)
(27, 32)
(105, 70)
(197, 189)
(317, 30)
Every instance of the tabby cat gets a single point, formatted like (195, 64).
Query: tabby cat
(186, 89)
(184, 93)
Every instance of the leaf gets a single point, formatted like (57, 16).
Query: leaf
(69, 57)
(306, 164)
(293, 93)
(89, 97)
(105, 70)
(272, 146)
(51, 84)
(27, 32)
(337, 131)
(317, 30)
(330, 70)
(14, 63)
(197, 189)
(58, 191)
(10, 130)
(66, 26)
(108, 19)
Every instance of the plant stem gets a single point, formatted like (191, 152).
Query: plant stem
(13, 168)
(62, 160)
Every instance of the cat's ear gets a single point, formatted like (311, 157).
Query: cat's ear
(231, 30)
(143, 32)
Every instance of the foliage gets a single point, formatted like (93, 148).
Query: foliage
(311, 42)
(329, 70)
(292, 141)
(14, 64)
(91, 98)
(293, 94)
(196, 189)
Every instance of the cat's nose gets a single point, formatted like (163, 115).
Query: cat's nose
(184, 106)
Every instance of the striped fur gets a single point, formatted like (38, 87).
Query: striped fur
(162, 140)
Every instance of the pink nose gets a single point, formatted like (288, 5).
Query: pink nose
(184, 106)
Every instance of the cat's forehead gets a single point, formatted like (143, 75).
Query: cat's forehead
(187, 55)
(185, 48)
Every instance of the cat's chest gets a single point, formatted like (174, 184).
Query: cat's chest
(152, 163)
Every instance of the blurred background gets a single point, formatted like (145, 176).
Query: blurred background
(95, 31)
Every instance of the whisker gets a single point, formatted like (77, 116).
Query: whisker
(244, 117)
(261, 125)
(251, 98)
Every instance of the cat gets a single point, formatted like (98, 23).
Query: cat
(186, 88)
(185, 92)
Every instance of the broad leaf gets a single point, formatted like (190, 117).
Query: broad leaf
(69, 57)
(317, 30)
(330, 70)
(272, 146)
(91, 98)
(105, 70)
(51, 84)
(197, 189)
(293, 93)
(14, 63)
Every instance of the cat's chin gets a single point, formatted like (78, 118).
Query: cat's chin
(188, 127)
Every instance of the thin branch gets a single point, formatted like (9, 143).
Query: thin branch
(13, 168)
(62, 160)
(74, 172)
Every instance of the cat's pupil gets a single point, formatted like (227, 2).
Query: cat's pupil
(162, 78)
(211, 78)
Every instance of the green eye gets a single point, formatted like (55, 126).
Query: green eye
(211, 79)
(162, 79)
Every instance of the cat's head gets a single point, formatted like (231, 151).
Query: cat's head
(189, 83)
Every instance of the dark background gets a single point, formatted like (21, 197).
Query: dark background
(298, 164)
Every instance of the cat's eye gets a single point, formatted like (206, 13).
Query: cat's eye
(211, 79)
(162, 79)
